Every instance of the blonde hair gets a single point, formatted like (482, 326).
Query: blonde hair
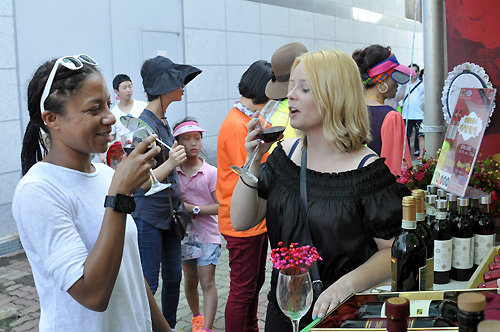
(336, 86)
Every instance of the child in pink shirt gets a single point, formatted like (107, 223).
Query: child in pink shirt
(197, 181)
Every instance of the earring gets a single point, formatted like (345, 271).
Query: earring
(386, 87)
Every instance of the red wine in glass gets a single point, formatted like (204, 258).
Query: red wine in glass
(271, 134)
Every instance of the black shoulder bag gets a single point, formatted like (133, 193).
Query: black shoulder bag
(314, 271)
(180, 218)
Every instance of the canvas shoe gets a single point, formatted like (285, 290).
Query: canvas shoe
(197, 323)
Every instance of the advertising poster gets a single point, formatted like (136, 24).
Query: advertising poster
(463, 140)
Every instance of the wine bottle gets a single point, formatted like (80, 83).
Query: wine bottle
(443, 245)
(418, 308)
(398, 311)
(430, 212)
(452, 206)
(491, 275)
(470, 311)
(424, 231)
(441, 194)
(413, 322)
(463, 243)
(484, 231)
(490, 284)
(474, 209)
(408, 253)
(489, 326)
(431, 190)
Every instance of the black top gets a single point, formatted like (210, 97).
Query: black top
(155, 209)
(346, 211)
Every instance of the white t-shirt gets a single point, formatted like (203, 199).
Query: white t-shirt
(118, 129)
(411, 106)
(59, 213)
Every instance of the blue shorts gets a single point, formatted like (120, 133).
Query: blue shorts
(210, 254)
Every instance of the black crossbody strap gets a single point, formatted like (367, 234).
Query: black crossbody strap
(317, 284)
(411, 91)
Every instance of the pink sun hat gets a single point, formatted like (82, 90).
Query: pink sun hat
(187, 127)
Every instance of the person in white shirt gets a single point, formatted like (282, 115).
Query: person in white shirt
(412, 95)
(122, 85)
(84, 254)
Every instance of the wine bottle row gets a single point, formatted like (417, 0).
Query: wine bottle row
(440, 240)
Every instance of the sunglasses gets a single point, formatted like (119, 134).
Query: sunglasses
(73, 62)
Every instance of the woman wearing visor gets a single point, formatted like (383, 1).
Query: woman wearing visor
(381, 73)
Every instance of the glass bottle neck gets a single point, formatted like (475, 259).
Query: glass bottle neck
(485, 208)
(452, 206)
(463, 210)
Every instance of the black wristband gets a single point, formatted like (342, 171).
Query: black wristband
(246, 184)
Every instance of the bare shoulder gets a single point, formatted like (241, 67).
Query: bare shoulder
(288, 144)
(366, 151)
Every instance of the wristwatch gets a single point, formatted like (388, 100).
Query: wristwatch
(196, 210)
(120, 203)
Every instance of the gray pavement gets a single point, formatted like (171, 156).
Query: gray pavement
(20, 308)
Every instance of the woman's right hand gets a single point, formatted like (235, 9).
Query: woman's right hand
(177, 155)
(254, 128)
(134, 169)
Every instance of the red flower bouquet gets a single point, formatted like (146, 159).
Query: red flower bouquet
(294, 260)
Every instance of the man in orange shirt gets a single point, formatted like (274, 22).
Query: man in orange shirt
(247, 249)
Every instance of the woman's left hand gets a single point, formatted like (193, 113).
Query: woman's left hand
(329, 299)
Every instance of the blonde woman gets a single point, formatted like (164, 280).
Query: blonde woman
(353, 200)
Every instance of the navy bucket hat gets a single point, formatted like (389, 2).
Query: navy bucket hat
(160, 75)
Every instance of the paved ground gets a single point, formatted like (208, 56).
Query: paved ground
(17, 291)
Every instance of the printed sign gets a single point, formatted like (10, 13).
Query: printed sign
(463, 140)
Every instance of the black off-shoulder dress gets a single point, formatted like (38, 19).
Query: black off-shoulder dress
(346, 211)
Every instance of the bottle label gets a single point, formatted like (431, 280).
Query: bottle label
(442, 255)
(420, 216)
(418, 308)
(422, 275)
(430, 273)
(482, 244)
(409, 224)
(441, 215)
(462, 253)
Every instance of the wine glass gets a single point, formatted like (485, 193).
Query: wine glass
(129, 142)
(273, 122)
(132, 123)
(294, 294)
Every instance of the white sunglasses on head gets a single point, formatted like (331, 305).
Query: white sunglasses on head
(73, 62)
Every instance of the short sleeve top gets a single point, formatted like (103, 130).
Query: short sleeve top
(346, 211)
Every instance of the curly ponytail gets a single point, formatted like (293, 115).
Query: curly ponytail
(66, 83)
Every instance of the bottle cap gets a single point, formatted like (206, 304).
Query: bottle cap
(409, 212)
(463, 201)
(397, 308)
(471, 302)
(488, 326)
(451, 197)
(441, 193)
(441, 204)
(486, 199)
(431, 189)
(431, 199)
(419, 195)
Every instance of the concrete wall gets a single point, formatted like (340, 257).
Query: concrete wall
(222, 37)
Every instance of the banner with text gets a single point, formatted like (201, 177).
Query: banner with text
(463, 140)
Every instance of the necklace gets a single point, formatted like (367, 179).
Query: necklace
(372, 97)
